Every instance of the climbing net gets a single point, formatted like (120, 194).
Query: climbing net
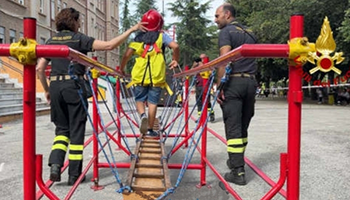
(172, 118)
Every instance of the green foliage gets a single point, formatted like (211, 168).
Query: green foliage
(270, 21)
(126, 22)
(143, 6)
(194, 32)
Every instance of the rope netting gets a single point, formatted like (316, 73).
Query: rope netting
(171, 119)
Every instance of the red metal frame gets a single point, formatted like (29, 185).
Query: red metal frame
(289, 162)
(29, 107)
(295, 98)
(186, 105)
(204, 116)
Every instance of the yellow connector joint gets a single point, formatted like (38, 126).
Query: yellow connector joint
(300, 50)
(24, 51)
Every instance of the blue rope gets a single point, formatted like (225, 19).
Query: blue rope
(166, 193)
(121, 189)
(123, 90)
(190, 151)
(80, 92)
(118, 114)
(134, 156)
(193, 108)
(164, 120)
(105, 132)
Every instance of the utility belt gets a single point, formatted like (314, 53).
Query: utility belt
(66, 77)
(243, 75)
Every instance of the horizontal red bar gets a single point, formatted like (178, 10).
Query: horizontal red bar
(190, 166)
(130, 135)
(118, 165)
(5, 50)
(244, 51)
(53, 51)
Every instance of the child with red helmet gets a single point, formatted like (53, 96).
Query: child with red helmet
(148, 74)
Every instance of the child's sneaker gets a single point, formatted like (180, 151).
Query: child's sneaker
(143, 125)
(152, 133)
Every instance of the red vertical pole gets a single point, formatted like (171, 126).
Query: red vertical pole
(119, 106)
(29, 93)
(295, 97)
(202, 119)
(95, 119)
(186, 100)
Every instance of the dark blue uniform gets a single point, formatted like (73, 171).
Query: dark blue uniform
(67, 111)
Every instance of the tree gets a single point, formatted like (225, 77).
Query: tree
(270, 21)
(143, 6)
(127, 20)
(194, 33)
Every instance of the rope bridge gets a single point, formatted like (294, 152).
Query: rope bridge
(149, 159)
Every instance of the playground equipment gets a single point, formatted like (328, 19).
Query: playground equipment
(298, 51)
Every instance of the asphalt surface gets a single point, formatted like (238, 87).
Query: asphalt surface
(325, 157)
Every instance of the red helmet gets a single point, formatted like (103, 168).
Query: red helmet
(154, 19)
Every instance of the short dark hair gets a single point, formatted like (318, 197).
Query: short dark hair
(197, 59)
(66, 19)
(230, 8)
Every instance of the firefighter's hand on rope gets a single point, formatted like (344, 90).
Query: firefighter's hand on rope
(221, 97)
(173, 64)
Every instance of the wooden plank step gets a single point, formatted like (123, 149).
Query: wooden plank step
(150, 157)
(148, 175)
(156, 162)
(148, 188)
(139, 165)
(141, 195)
(150, 141)
(150, 145)
(150, 151)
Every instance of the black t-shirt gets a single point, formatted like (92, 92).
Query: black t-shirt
(234, 35)
(76, 41)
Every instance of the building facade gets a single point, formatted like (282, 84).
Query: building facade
(99, 19)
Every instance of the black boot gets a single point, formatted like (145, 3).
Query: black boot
(73, 179)
(229, 165)
(236, 176)
(212, 117)
(55, 173)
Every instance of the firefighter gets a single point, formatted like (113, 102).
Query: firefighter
(199, 90)
(67, 109)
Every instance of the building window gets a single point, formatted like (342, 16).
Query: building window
(41, 10)
(12, 36)
(64, 5)
(93, 27)
(59, 4)
(2, 35)
(53, 9)
(21, 2)
(100, 5)
(82, 23)
(21, 35)
(42, 40)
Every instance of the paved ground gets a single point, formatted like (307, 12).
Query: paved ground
(325, 157)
